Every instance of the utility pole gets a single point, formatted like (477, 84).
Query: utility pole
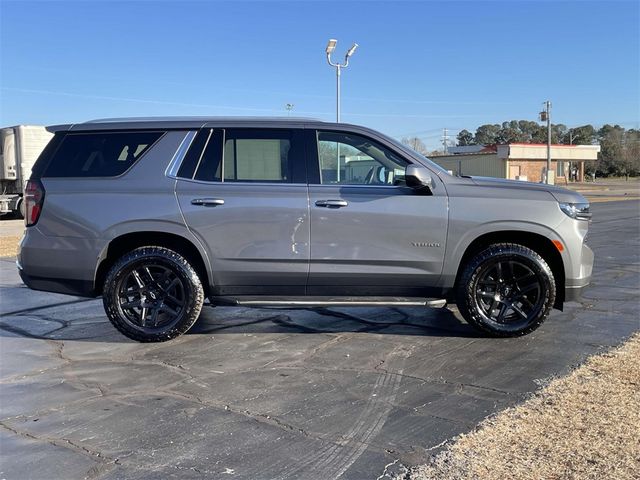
(445, 140)
(546, 115)
(570, 163)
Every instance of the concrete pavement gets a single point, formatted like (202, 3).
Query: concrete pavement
(281, 393)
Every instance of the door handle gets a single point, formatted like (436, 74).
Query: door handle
(331, 203)
(207, 202)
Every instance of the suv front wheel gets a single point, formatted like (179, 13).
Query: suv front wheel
(152, 294)
(506, 290)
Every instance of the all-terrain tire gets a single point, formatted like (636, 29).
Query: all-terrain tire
(147, 259)
(476, 296)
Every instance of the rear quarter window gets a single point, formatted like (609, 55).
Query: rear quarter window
(99, 154)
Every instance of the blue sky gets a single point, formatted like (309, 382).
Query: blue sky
(421, 66)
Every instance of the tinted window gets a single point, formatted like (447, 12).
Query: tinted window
(260, 156)
(104, 154)
(194, 154)
(210, 163)
(348, 159)
(45, 157)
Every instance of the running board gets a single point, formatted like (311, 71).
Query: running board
(257, 301)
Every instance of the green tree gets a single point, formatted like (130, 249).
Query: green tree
(465, 137)
(486, 134)
(511, 133)
(558, 132)
(631, 153)
(584, 135)
(611, 138)
(530, 129)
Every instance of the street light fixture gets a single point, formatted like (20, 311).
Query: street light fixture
(289, 107)
(331, 46)
(351, 50)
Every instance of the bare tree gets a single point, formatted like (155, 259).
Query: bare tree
(416, 144)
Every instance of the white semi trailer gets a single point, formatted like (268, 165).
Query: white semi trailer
(20, 147)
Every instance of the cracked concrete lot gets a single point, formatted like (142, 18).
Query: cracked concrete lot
(278, 394)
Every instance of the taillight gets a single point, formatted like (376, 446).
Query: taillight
(33, 201)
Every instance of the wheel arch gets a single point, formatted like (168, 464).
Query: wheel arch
(126, 242)
(540, 244)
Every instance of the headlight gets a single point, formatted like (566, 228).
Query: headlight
(579, 211)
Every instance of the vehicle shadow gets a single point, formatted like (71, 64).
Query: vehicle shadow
(418, 321)
(382, 320)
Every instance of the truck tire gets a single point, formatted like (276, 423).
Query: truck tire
(20, 211)
(152, 294)
(506, 290)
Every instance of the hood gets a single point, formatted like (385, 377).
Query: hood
(562, 195)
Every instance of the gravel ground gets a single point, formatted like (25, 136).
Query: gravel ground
(583, 426)
(9, 245)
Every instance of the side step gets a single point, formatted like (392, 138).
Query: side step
(301, 301)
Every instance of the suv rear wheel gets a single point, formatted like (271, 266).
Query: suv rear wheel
(506, 290)
(152, 294)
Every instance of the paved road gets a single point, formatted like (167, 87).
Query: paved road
(268, 393)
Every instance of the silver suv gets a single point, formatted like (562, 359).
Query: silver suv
(157, 215)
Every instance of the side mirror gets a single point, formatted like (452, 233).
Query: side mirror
(418, 177)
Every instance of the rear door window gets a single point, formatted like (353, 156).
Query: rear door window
(249, 155)
(257, 156)
(99, 154)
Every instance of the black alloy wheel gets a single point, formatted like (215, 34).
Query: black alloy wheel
(506, 290)
(152, 294)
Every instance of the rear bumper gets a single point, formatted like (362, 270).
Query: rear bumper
(57, 264)
(80, 288)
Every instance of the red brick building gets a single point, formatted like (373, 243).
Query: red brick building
(521, 161)
(528, 161)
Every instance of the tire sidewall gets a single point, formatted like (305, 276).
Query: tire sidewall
(194, 293)
(467, 301)
(22, 209)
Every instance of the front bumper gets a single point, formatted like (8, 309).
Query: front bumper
(573, 294)
(574, 287)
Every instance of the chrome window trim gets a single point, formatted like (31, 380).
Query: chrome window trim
(178, 156)
(359, 185)
(261, 184)
(281, 184)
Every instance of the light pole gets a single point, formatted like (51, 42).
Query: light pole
(546, 115)
(289, 107)
(331, 46)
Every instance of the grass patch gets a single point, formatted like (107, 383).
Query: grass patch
(9, 245)
(582, 426)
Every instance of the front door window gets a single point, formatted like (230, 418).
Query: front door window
(348, 159)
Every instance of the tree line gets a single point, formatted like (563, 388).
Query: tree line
(620, 147)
